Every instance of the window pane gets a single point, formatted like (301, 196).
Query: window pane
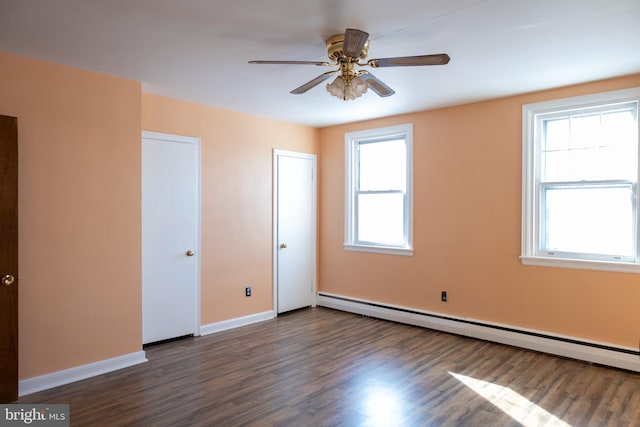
(383, 166)
(588, 220)
(585, 131)
(556, 166)
(556, 134)
(591, 147)
(381, 218)
(589, 164)
(620, 133)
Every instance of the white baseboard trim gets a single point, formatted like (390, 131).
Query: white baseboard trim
(212, 328)
(576, 348)
(55, 379)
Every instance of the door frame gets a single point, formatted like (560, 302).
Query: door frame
(181, 139)
(314, 158)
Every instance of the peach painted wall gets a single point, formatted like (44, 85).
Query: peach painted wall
(467, 203)
(236, 198)
(80, 293)
(79, 213)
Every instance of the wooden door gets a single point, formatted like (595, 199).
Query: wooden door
(8, 259)
(296, 230)
(170, 235)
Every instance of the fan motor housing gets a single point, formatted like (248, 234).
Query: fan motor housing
(335, 45)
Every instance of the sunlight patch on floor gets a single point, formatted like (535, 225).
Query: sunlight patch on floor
(511, 403)
(383, 406)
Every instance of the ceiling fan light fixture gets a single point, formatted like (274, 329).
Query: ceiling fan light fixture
(354, 88)
(348, 51)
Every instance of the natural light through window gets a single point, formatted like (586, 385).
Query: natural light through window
(511, 403)
(378, 190)
(580, 177)
(383, 406)
(589, 220)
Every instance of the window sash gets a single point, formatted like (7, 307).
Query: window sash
(356, 237)
(397, 180)
(534, 117)
(599, 228)
(595, 157)
(400, 140)
(361, 229)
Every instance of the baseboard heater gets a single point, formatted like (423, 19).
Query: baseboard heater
(590, 351)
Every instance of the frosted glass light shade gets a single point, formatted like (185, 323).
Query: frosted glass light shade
(356, 88)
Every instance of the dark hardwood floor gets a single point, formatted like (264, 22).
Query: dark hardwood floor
(320, 367)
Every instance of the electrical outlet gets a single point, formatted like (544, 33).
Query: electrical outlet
(247, 291)
(443, 296)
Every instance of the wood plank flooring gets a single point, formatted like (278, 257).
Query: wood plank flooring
(321, 367)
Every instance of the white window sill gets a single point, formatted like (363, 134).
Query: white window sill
(389, 250)
(622, 267)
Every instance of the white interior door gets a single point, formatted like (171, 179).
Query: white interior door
(170, 230)
(295, 230)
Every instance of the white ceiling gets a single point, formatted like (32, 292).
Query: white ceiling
(197, 50)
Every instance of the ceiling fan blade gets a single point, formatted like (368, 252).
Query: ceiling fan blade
(407, 61)
(291, 62)
(376, 85)
(354, 41)
(313, 83)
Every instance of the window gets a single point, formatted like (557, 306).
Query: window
(378, 190)
(580, 182)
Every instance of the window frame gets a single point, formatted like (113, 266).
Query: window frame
(352, 141)
(533, 116)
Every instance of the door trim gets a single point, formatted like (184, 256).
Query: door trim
(314, 158)
(196, 141)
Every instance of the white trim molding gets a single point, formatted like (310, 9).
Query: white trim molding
(580, 264)
(146, 134)
(575, 348)
(534, 116)
(378, 249)
(67, 376)
(224, 325)
(352, 144)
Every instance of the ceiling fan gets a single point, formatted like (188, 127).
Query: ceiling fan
(347, 51)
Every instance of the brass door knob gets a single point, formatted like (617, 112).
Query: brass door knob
(283, 245)
(190, 253)
(8, 280)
